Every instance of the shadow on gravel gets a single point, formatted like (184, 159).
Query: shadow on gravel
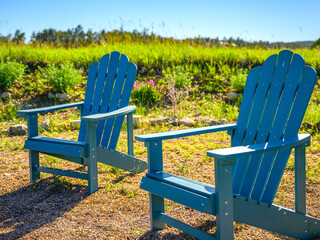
(33, 206)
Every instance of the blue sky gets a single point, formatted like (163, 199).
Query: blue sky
(272, 20)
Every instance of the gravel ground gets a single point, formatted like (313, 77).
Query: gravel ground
(59, 208)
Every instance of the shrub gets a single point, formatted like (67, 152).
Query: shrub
(61, 78)
(146, 94)
(9, 73)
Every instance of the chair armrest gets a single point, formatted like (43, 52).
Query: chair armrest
(102, 116)
(49, 109)
(244, 151)
(184, 133)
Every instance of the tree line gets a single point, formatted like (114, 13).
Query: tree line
(77, 37)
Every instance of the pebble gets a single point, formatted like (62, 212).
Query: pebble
(62, 97)
(19, 129)
(223, 121)
(76, 123)
(232, 95)
(187, 122)
(156, 120)
(5, 95)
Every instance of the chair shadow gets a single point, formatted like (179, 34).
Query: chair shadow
(206, 226)
(33, 206)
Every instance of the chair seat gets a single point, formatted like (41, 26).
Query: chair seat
(57, 146)
(191, 193)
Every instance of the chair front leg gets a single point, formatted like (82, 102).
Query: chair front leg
(92, 157)
(155, 163)
(130, 134)
(32, 121)
(224, 198)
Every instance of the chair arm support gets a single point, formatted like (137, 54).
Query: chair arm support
(102, 116)
(183, 133)
(49, 109)
(244, 151)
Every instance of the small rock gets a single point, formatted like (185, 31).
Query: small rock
(76, 123)
(28, 106)
(25, 106)
(173, 121)
(62, 97)
(5, 95)
(45, 124)
(187, 122)
(223, 121)
(201, 119)
(20, 106)
(50, 95)
(137, 120)
(156, 120)
(18, 129)
(232, 95)
(212, 122)
(207, 121)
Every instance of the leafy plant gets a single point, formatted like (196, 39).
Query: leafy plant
(182, 79)
(7, 112)
(62, 77)
(146, 94)
(238, 81)
(9, 73)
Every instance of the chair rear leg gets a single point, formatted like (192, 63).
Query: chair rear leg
(33, 164)
(92, 173)
(156, 207)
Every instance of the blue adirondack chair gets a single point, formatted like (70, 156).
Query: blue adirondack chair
(108, 91)
(248, 174)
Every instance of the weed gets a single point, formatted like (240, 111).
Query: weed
(10, 72)
(62, 181)
(109, 186)
(145, 93)
(238, 81)
(8, 111)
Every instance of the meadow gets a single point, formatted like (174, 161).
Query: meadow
(176, 80)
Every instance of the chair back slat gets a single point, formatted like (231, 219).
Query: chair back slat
(92, 75)
(112, 71)
(115, 97)
(246, 106)
(254, 120)
(125, 97)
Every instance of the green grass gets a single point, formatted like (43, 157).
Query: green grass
(152, 56)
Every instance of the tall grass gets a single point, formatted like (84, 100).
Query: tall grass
(152, 56)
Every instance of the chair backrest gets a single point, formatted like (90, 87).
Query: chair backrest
(109, 86)
(274, 102)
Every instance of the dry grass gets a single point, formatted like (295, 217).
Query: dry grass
(59, 208)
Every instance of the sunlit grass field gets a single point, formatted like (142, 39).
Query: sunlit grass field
(152, 55)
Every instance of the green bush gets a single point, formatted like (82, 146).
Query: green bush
(145, 94)
(61, 78)
(9, 73)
